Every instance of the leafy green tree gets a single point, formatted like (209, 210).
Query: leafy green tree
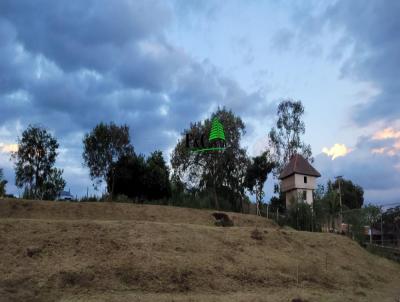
(278, 203)
(157, 182)
(391, 223)
(327, 207)
(34, 164)
(356, 222)
(54, 185)
(256, 176)
(319, 192)
(103, 147)
(177, 187)
(372, 214)
(321, 215)
(3, 183)
(285, 138)
(127, 176)
(352, 194)
(221, 172)
(141, 179)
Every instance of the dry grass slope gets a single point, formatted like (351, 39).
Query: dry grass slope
(122, 252)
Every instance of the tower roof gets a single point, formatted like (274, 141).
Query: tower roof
(298, 164)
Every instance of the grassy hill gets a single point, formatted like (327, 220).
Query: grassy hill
(56, 251)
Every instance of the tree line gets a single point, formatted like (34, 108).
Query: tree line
(219, 179)
(216, 179)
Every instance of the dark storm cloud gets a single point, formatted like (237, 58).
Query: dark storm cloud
(370, 29)
(16, 66)
(84, 33)
(69, 65)
(369, 32)
(374, 27)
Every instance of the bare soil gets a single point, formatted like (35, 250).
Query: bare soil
(58, 251)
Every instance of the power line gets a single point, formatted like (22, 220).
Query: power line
(381, 205)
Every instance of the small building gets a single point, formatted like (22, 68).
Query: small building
(298, 180)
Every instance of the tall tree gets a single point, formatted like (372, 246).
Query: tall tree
(128, 177)
(352, 194)
(256, 176)
(285, 139)
(103, 147)
(157, 182)
(218, 170)
(34, 164)
(3, 183)
(372, 214)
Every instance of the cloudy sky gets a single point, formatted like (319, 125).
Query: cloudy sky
(157, 65)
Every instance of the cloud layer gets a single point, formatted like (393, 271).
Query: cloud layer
(373, 163)
(69, 65)
(370, 29)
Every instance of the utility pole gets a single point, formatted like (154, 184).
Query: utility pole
(339, 178)
(381, 228)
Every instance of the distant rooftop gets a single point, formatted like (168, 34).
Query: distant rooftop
(298, 164)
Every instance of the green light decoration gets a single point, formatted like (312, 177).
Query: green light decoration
(217, 131)
(210, 149)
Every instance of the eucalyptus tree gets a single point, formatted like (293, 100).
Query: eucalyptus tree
(222, 171)
(257, 174)
(34, 164)
(103, 147)
(285, 138)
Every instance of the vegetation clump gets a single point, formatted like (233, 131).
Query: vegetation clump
(222, 219)
(257, 234)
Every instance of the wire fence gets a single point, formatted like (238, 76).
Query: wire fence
(379, 230)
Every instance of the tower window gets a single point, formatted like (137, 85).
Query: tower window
(305, 179)
(304, 195)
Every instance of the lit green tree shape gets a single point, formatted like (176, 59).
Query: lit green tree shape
(217, 130)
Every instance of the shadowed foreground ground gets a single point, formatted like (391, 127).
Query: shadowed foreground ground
(122, 252)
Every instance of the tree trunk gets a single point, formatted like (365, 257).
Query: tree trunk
(370, 234)
(258, 201)
(398, 236)
(215, 197)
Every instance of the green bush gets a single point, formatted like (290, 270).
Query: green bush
(92, 198)
(122, 198)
